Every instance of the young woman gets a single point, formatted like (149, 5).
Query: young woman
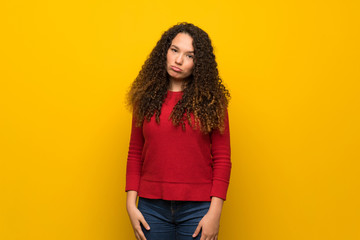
(179, 152)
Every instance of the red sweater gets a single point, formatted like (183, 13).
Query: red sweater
(165, 162)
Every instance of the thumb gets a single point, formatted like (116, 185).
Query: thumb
(144, 223)
(197, 230)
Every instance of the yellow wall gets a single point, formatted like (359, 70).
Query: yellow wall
(293, 71)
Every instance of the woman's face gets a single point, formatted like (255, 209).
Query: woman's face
(180, 57)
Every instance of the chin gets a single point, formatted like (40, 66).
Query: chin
(177, 77)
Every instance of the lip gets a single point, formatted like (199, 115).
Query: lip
(176, 69)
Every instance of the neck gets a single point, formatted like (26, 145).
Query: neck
(177, 85)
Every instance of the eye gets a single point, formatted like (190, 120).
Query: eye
(173, 49)
(190, 56)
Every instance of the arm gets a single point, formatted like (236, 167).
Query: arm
(134, 159)
(210, 223)
(135, 215)
(221, 157)
(133, 171)
(220, 151)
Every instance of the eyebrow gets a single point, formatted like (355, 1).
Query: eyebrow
(178, 48)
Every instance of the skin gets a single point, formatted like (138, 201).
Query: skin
(181, 56)
(209, 223)
(135, 215)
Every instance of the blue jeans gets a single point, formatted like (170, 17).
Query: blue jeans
(172, 220)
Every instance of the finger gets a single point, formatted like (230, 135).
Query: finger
(141, 235)
(205, 237)
(144, 223)
(197, 230)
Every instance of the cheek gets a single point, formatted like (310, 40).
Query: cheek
(191, 66)
(168, 56)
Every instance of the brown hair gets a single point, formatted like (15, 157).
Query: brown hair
(204, 94)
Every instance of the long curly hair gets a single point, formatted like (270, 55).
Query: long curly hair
(204, 94)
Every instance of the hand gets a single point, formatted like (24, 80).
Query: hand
(136, 218)
(210, 227)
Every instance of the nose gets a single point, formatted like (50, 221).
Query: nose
(179, 59)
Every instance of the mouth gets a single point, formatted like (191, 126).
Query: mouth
(176, 69)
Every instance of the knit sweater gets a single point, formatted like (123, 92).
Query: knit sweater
(166, 162)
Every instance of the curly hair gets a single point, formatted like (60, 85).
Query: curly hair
(204, 95)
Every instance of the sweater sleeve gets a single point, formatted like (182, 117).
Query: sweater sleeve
(134, 159)
(220, 151)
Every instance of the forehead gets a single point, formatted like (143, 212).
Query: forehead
(183, 41)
